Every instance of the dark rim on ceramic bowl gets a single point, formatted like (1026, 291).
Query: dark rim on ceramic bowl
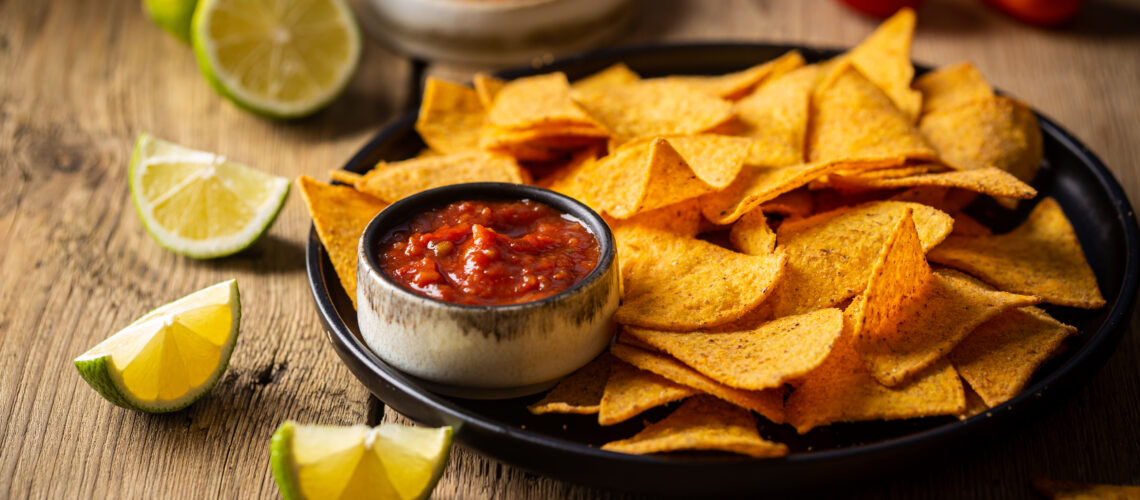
(566, 447)
(510, 350)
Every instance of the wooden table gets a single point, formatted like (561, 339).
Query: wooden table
(79, 80)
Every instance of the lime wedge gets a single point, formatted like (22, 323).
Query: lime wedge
(279, 58)
(173, 16)
(198, 204)
(169, 358)
(326, 462)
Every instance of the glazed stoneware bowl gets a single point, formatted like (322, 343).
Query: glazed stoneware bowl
(479, 351)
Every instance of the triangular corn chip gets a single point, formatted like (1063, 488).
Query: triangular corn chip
(340, 214)
(486, 88)
(702, 423)
(451, 117)
(650, 108)
(752, 235)
(733, 86)
(618, 74)
(641, 177)
(997, 132)
(884, 57)
(631, 391)
(393, 181)
(533, 101)
(776, 117)
(578, 393)
(990, 181)
(1041, 257)
(952, 85)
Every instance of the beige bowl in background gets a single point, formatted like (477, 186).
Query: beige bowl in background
(495, 32)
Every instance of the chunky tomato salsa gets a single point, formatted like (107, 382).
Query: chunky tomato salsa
(490, 252)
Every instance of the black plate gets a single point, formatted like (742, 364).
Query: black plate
(566, 446)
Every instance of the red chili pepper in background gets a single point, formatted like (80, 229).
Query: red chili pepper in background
(1039, 12)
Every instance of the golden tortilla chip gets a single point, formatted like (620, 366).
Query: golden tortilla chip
(716, 159)
(678, 283)
(1069, 490)
(682, 219)
(998, 358)
(964, 225)
(927, 195)
(393, 181)
(340, 214)
(702, 423)
(975, 405)
(756, 185)
(912, 317)
(998, 132)
(751, 234)
(734, 86)
(650, 108)
(884, 57)
(776, 117)
(951, 86)
(580, 392)
(535, 101)
(841, 389)
(344, 176)
(451, 117)
(989, 181)
(641, 177)
(631, 391)
(795, 203)
(854, 119)
(831, 255)
(486, 88)
(618, 74)
(1041, 257)
(769, 402)
(762, 358)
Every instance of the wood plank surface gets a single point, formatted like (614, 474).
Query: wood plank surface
(80, 80)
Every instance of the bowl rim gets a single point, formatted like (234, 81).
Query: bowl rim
(402, 210)
(1079, 367)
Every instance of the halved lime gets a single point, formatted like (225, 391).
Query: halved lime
(198, 204)
(279, 58)
(170, 357)
(326, 462)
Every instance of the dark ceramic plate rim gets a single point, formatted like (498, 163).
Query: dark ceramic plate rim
(1072, 373)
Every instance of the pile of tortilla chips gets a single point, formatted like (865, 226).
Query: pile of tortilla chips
(791, 236)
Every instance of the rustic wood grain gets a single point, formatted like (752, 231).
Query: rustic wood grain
(79, 80)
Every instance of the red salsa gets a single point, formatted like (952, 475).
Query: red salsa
(490, 252)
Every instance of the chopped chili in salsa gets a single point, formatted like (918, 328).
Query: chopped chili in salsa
(490, 252)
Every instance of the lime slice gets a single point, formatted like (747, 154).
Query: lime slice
(173, 16)
(198, 204)
(390, 461)
(279, 58)
(169, 358)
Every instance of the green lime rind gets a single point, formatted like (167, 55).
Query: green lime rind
(198, 35)
(174, 16)
(203, 253)
(440, 467)
(100, 375)
(281, 459)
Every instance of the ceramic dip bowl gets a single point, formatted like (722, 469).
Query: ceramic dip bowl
(485, 351)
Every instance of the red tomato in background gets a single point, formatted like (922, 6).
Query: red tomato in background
(1039, 12)
(881, 8)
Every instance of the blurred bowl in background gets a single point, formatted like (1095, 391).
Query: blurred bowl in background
(495, 32)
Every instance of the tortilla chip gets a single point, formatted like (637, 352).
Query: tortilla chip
(998, 132)
(716, 159)
(831, 255)
(795, 203)
(618, 74)
(486, 88)
(756, 185)
(776, 116)
(580, 392)
(884, 57)
(734, 86)
(912, 317)
(927, 195)
(1069, 490)
(344, 177)
(841, 389)
(641, 177)
(340, 214)
(677, 283)
(751, 234)
(702, 423)
(951, 86)
(998, 358)
(650, 108)
(964, 225)
(682, 219)
(769, 402)
(1041, 257)
(535, 101)
(451, 117)
(631, 391)
(989, 181)
(762, 358)
(393, 181)
(975, 405)
(854, 119)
